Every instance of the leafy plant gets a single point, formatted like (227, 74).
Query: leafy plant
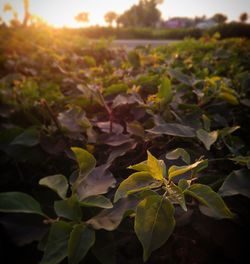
(70, 236)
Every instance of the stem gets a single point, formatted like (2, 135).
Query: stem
(52, 114)
(211, 160)
(108, 110)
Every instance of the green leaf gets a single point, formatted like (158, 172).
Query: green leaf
(17, 202)
(142, 166)
(81, 240)
(172, 129)
(229, 97)
(175, 195)
(178, 170)
(206, 122)
(205, 195)
(179, 153)
(56, 248)
(183, 184)
(57, 183)
(134, 58)
(165, 90)
(154, 223)
(207, 138)
(181, 77)
(97, 201)
(28, 138)
(117, 88)
(237, 182)
(85, 160)
(242, 160)
(228, 130)
(69, 208)
(136, 182)
(156, 167)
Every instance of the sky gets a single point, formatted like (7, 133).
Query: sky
(62, 12)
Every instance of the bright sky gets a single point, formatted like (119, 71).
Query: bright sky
(62, 12)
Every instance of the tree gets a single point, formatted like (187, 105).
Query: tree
(110, 17)
(243, 17)
(220, 18)
(7, 8)
(82, 17)
(144, 14)
(27, 15)
(14, 22)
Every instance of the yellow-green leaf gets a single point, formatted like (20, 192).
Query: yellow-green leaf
(136, 182)
(178, 170)
(229, 97)
(156, 167)
(165, 90)
(85, 160)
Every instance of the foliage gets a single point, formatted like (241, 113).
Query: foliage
(105, 145)
(243, 17)
(82, 17)
(110, 17)
(144, 14)
(220, 18)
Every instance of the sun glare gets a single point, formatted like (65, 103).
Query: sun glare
(60, 13)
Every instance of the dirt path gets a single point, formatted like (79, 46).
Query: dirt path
(130, 44)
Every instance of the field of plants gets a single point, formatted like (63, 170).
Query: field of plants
(113, 156)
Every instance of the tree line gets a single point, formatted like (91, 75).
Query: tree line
(144, 14)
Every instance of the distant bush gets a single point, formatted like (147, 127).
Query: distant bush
(225, 30)
(232, 30)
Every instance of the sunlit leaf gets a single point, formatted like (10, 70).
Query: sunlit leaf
(165, 90)
(136, 182)
(156, 167)
(142, 166)
(229, 97)
(116, 89)
(178, 170)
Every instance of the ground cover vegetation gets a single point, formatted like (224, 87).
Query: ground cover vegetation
(115, 156)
